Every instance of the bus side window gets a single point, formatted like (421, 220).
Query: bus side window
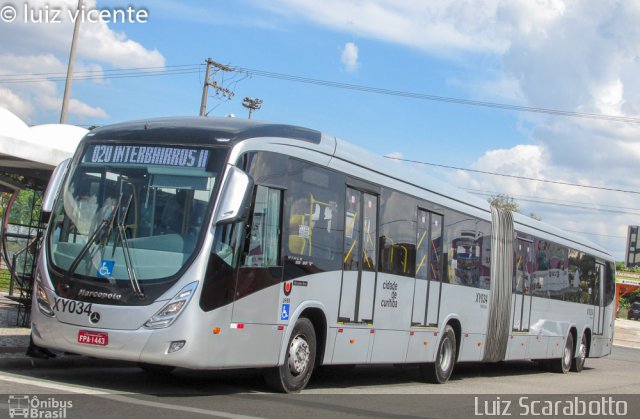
(313, 220)
(435, 248)
(263, 241)
(398, 230)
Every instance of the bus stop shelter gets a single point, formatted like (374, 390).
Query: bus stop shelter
(28, 156)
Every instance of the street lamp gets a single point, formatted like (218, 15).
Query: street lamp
(252, 104)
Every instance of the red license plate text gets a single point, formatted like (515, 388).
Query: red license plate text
(93, 338)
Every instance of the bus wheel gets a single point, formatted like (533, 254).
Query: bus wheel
(578, 362)
(440, 371)
(294, 374)
(562, 365)
(156, 369)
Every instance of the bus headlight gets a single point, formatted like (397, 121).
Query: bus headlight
(170, 312)
(42, 299)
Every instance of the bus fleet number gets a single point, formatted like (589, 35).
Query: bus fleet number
(72, 307)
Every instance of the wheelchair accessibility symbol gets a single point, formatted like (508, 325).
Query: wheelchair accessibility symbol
(284, 314)
(106, 268)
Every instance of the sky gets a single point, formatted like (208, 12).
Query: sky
(580, 57)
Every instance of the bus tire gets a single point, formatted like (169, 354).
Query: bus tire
(440, 371)
(578, 362)
(299, 361)
(155, 369)
(563, 364)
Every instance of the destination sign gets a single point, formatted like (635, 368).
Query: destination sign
(153, 155)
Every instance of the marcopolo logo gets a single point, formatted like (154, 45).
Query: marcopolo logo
(99, 294)
(26, 406)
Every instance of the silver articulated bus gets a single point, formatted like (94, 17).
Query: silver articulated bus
(211, 243)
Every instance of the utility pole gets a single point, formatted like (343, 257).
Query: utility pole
(220, 91)
(72, 57)
(253, 104)
(205, 89)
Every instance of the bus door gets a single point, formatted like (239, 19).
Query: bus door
(522, 283)
(257, 304)
(596, 300)
(260, 266)
(426, 298)
(359, 258)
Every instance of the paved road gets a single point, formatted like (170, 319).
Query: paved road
(99, 388)
(106, 389)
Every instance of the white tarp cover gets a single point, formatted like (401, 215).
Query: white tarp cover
(39, 148)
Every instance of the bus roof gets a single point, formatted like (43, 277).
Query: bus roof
(203, 130)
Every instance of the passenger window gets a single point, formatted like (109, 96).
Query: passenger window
(435, 246)
(422, 248)
(263, 241)
(587, 277)
(352, 242)
(370, 228)
(468, 245)
(398, 234)
(429, 245)
(313, 235)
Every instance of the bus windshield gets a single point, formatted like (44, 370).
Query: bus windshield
(129, 217)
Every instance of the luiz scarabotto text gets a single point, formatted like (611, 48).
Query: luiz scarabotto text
(528, 406)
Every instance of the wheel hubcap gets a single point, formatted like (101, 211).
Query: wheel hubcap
(299, 353)
(446, 352)
(583, 352)
(567, 356)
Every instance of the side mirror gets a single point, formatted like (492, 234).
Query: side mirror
(54, 185)
(235, 198)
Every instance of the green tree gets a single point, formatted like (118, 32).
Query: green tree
(507, 202)
(25, 209)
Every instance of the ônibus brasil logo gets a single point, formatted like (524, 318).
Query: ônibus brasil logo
(34, 407)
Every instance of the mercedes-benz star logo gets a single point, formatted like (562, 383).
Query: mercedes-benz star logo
(94, 317)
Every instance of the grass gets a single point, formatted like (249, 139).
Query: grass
(5, 279)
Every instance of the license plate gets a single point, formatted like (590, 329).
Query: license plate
(93, 338)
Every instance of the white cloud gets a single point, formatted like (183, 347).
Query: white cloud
(105, 45)
(15, 103)
(36, 48)
(349, 57)
(76, 107)
(436, 26)
(29, 98)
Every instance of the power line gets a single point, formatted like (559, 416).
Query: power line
(97, 75)
(192, 68)
(559, 204)
(524, 197)
(423, 96)
(103, 70)
(557, 182)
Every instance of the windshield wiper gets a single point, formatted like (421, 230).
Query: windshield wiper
(126, 251)
(106, 221)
